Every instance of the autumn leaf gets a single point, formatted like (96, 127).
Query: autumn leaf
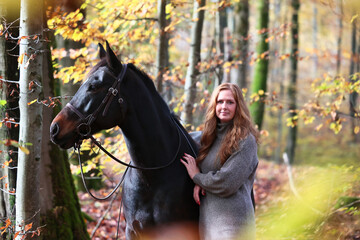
(21, 58)
(356, 129)
(28, 227)
(24, 149)
(33, 101)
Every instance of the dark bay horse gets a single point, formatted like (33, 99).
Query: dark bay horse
(120, 94)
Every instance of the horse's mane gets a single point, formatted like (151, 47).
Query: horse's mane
(150, 86)
(144, 76)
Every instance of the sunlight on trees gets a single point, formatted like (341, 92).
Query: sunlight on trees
(323, 85)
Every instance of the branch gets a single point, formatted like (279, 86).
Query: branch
(289, 172)
(10, 193)
(137, 19)
(9, 81)
(292, 185)
(103, 216)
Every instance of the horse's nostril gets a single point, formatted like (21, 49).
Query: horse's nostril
(54, 130)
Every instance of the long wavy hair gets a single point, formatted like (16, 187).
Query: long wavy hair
(240, 128)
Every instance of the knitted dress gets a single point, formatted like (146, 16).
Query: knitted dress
(226, 210)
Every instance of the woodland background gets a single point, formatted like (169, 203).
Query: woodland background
(296, 61)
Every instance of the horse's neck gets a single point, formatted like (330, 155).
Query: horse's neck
(151, 139)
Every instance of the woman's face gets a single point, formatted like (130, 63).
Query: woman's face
(225, 106)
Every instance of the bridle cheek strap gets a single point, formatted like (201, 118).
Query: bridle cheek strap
(84, 128)
(114, 90)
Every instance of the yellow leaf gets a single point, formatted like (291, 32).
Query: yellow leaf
(32, 102)
(356, 129)
(319, 127)
(354, 17)
(21, 58)
(24, 149)
(261, 92)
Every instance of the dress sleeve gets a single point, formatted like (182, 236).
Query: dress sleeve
(235, 171)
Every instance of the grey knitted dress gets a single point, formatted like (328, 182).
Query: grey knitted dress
(226, 211)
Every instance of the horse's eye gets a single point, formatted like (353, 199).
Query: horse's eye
(93, 87)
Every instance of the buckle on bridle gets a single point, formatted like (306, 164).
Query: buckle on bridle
(113, 91)
(83, 130)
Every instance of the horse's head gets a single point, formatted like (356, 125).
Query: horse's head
(97, 105)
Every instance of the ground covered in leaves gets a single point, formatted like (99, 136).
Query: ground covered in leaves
(273, 194)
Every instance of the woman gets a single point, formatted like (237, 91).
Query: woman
(225, 169)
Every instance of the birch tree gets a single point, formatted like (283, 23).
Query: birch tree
(31, 50)
(194, 58)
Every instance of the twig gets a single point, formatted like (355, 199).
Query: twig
(14, 194)
(9, 81)
(292, 185)
(103, 216)
(289, 172)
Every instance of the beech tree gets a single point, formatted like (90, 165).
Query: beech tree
(261, 69)
(292, 87)
(241, 33)
(194, 58)
(162, 56)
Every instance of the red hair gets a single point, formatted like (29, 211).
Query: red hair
(240, 128)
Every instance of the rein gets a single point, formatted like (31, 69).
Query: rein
(84, 128)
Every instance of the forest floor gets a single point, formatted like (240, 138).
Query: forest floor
(273, 190)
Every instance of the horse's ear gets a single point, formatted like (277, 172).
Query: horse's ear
(111, 58)
(102, 52)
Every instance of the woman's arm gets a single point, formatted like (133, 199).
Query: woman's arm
(236, 170)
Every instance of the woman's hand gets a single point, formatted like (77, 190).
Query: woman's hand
(190, 164)
(196, 193)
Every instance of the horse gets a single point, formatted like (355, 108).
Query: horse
(157, 191)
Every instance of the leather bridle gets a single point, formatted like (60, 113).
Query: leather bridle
(84, 128)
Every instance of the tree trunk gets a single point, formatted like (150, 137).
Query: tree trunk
(194, 58)
(4, 197)
(353, 78)
(261, 68)
(227, 54)
(340, 15)
(162, 57)
(241, 35)
(278, 74)
(220, 26)
(315, 46)
(31, 78)
(292, 88)
(60, 208)
(9, 13)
